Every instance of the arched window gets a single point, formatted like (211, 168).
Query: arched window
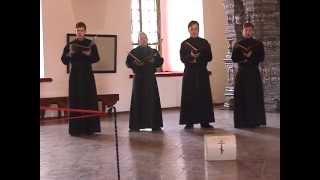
(144, 18)
(175, 16)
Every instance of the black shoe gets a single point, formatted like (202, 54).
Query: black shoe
(74, 134)
(207, 126)
(134, 130)
(156, 129)
(189, 126)
(90, 133)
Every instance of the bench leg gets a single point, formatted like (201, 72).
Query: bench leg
(103, 107)
(59, 114)
(42, 112)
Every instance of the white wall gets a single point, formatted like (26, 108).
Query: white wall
(113, 17)
(214, 21)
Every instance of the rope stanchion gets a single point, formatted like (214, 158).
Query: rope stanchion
(116, 138)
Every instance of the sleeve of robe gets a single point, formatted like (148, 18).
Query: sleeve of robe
(205, 53)
(158, 59)
(185, 55)
(237, 55)
(257, 54)
(66, 58)
(130, 62)
(94, 55)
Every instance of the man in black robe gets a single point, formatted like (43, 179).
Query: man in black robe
(196, 98)
(80, 54)
(145, 110)
(249, 108)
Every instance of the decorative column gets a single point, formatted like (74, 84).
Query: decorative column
(265, 15)
(229, 89)
(234, 11)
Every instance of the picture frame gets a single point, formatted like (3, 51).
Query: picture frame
(107, 49)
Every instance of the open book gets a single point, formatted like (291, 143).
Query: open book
(79, 48)
(247, 49)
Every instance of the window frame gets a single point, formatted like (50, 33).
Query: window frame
(158, 43)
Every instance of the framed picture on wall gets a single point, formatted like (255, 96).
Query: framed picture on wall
(107, 48)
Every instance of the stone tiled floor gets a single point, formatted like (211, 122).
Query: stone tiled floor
(172, 154)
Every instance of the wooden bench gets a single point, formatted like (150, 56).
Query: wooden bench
(62, 102)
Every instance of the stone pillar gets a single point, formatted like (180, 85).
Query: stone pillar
(265, 15)
(234, 10)
(229, 88)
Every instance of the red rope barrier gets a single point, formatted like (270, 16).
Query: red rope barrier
(91, 113)
(72, 110)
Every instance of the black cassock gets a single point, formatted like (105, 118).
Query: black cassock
(145, 109)
(82, 87)
(196, 98)
(249, 108)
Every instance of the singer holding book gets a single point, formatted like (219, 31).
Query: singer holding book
(145, 109)
(196, 98)
(249, 108)
(80, 54)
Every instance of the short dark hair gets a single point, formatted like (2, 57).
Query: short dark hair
(192, 23)
(81, 24)
(248, 24)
